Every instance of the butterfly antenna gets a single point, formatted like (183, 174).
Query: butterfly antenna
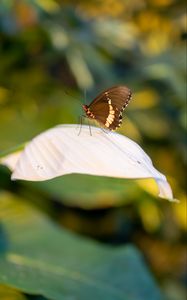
(85, 99)
(82, 116)
(85, 92)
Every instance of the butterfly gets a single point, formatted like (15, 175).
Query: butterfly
(107, 107)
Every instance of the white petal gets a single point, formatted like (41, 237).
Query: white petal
(165, 190)
(61, 151)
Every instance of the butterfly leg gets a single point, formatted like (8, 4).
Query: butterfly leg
(80, 124)
(89, 127)
(88, 124)
(105, 130)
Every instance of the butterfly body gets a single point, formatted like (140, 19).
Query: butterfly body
(108, 106)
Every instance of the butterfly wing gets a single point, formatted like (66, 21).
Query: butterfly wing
(108, 106)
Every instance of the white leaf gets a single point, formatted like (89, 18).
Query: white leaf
(61, 151)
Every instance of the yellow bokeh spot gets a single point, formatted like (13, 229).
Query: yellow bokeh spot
(148, 185)
(110, 8)
(130, 129)
(144, 99)
(7, 293)
(3, 94)
(155, 43)
(150, 215)
(180, 212)
(161, 2)
(147, 21)
(48, 5)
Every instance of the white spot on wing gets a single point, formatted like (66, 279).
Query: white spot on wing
(111, 115)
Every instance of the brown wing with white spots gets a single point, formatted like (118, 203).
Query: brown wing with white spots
(107, 107)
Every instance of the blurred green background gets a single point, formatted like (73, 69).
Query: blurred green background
(51, 52)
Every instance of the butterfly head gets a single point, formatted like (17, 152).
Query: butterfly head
(89, 114)
(85, 107)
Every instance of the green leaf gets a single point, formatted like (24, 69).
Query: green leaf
(88, 191)
(12, 150)
(40, 258)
